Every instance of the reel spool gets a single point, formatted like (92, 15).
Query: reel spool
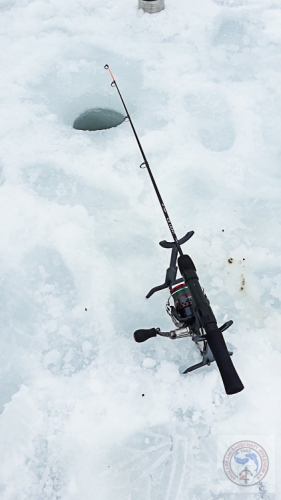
(181, 312)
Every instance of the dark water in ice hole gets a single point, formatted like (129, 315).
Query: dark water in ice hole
(98, 119)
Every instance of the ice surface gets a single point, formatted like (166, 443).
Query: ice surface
(86, 412)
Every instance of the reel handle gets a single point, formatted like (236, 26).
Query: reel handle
(143, 335)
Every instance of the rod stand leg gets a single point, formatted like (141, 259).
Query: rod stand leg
(208, 358)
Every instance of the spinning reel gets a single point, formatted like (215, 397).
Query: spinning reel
(183, 311)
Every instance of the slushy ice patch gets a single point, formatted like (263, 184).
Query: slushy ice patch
(98, 119)
(231, 33)
(52, 183)
(212, 119)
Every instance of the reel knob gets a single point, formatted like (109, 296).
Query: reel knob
(143, 335)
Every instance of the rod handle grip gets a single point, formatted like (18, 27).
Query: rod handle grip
(229, 375)
(214, 337)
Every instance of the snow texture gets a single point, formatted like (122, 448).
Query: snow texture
(86, 412)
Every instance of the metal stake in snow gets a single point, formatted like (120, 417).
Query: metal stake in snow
(146, 165)
(151, 6)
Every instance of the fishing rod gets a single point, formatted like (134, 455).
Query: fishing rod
(191, 313)
(145, 164)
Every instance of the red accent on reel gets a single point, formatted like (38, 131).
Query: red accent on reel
(177, 287)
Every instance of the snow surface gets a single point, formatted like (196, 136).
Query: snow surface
(87, 414)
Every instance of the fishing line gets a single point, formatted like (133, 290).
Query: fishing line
(110, 107)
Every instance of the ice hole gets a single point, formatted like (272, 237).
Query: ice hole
(98, 119)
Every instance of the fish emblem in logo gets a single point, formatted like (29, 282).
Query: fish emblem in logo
(246, 463)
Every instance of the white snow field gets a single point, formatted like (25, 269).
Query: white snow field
(87, 413)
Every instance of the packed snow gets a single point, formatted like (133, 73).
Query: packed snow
(87, 413)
